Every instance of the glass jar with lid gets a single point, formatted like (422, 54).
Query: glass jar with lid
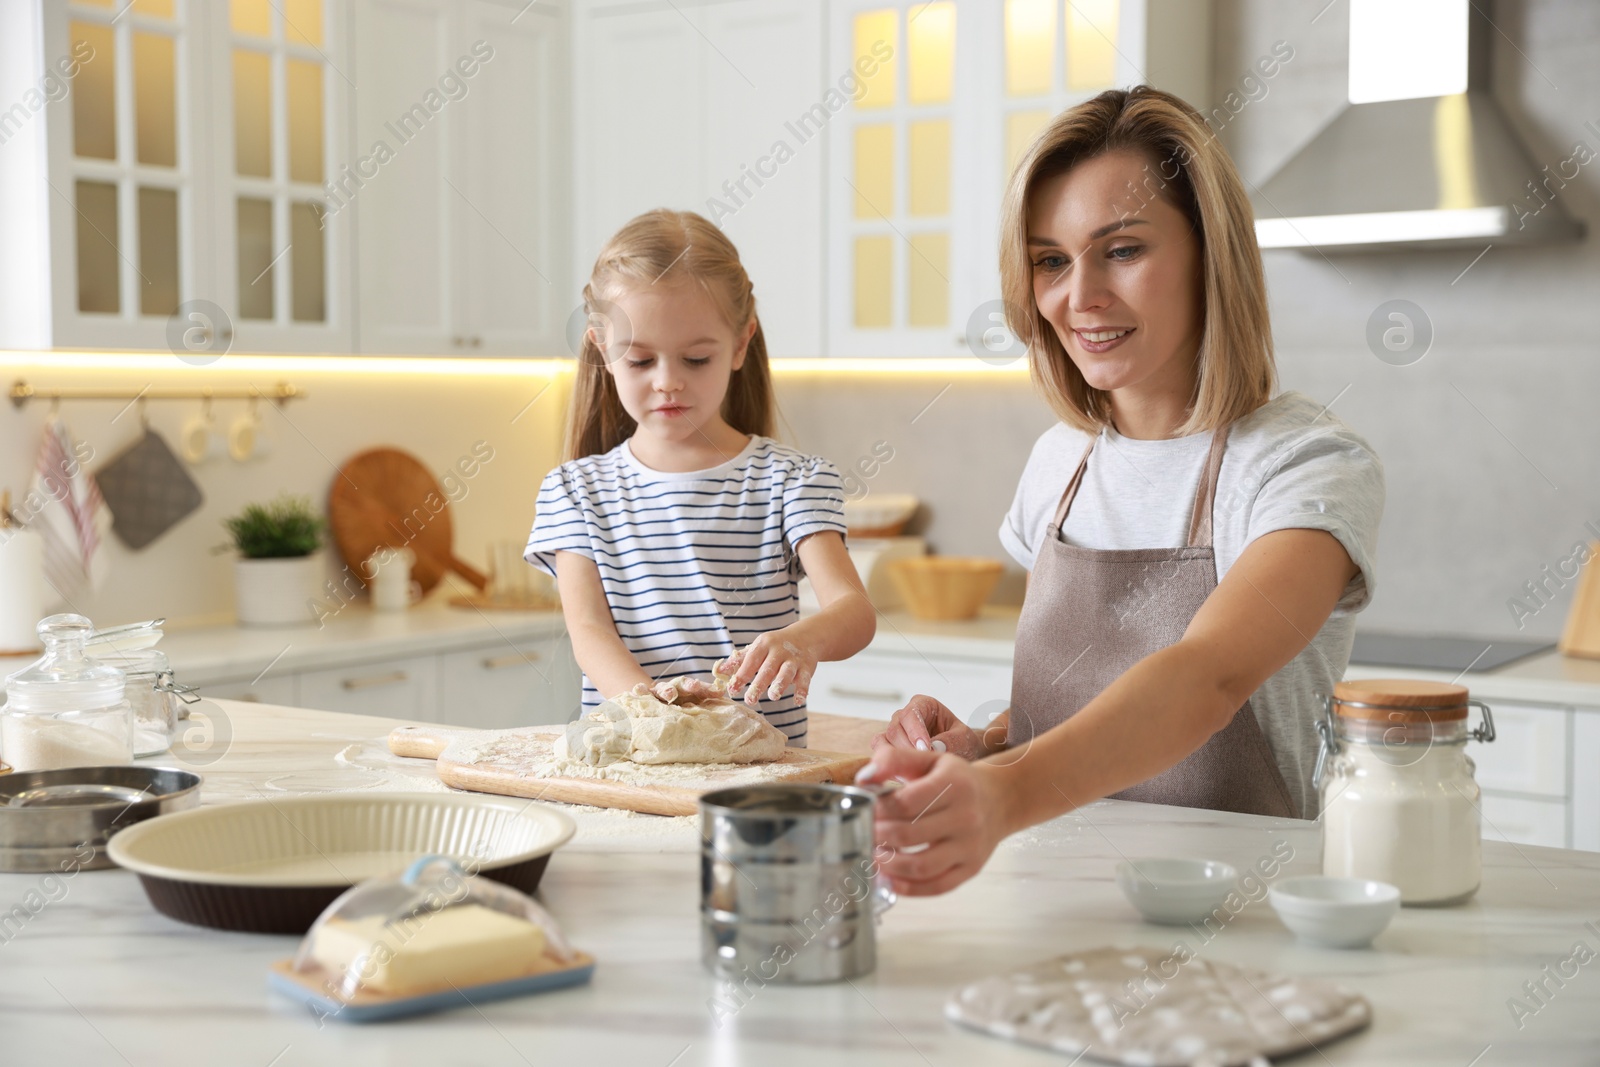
(154, 695)
(1400, 803)
(152, 690)
(65, 710)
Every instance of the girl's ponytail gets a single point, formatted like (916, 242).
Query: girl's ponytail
(748, 406)
(596, 420)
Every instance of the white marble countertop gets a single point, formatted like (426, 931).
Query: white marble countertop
(90, 974)
(1548, 678)
(211, 654)
(991, 636)
(208, 654)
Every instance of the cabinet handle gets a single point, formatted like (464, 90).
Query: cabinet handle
(458, 341)
(475, 341)
(495, 663)
(392, 678)
(847, 693)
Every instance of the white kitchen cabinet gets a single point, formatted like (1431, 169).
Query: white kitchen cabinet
(1529, 752)
(701, 107)
(399, 688)
(874, 685)
(278, 97)
(918, 164)
(504, 686)
(461, 178)
(763, 178)
(181, 160)
(1586, 779)
(268, 689)
(1524, 821)
(496, 684)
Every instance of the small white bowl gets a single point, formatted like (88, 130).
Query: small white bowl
(1175, 891)
(1335, 912)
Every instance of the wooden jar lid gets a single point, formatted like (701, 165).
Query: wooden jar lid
(1400, 700)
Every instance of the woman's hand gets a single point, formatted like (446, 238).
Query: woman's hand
(770, 666)
(941, 827)
(924, 725)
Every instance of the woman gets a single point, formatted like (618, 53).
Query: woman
(1196, 547)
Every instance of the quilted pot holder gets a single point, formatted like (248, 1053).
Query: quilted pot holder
(147, 490)
(1159, 1008)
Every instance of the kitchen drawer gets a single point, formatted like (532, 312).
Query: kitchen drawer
(272, 689)
(399, 688)
(1528, 754)
(1523, 821)
(876, 685)
(503, 686)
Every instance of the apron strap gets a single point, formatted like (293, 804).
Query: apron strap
(1206, 495)
(1071, 490)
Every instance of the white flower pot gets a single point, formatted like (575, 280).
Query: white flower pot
(277, 592)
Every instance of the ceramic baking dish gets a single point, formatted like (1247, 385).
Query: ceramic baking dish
(272, 866)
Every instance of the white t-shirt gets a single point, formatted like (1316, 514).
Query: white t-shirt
(1289, 465)
(695, 565)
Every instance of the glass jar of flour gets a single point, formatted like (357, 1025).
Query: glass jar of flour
(1399, 800)
(66, 710)
(154, 694)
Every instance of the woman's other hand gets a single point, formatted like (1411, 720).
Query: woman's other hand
(942, 825)
(925, 725)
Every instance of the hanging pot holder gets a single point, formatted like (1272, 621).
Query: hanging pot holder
(148, 491)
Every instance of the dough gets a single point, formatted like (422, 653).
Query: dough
(650, 725)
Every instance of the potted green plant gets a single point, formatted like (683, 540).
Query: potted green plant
(278, 562)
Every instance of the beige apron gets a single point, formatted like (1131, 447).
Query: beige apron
(1090, 614)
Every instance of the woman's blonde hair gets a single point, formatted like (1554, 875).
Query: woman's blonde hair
(670, 246)
(1187, 167)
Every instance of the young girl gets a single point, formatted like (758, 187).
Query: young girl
(677, 529)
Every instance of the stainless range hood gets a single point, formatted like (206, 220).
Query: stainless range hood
(1443, 171)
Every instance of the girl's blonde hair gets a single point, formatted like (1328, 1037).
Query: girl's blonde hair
(666, 246)
(1235, 372)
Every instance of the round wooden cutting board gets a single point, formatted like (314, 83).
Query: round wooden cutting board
(387, 497)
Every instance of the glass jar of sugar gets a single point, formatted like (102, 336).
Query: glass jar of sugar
(1399, 800)
(153, 693)
(65, 710)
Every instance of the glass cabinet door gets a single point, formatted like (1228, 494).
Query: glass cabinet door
(952, 94)
(891, 182)
(126, 184)
(277, 91)
(1057, 53)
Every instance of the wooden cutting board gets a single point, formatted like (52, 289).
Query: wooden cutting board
(384, 496)
(499, 761)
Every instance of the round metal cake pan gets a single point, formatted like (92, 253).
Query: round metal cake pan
(61, 820)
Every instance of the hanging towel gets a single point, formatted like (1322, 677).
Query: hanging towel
(73, 519)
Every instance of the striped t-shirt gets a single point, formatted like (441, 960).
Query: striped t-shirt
(695, 565)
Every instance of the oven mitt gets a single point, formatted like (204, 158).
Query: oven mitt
(1158, 1007)
(148, 491)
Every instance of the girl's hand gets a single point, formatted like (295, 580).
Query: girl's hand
(941, 827)
(770, 666)
(685, 691)
(925, 725)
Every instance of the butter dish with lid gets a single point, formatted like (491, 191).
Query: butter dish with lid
(430, 939)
